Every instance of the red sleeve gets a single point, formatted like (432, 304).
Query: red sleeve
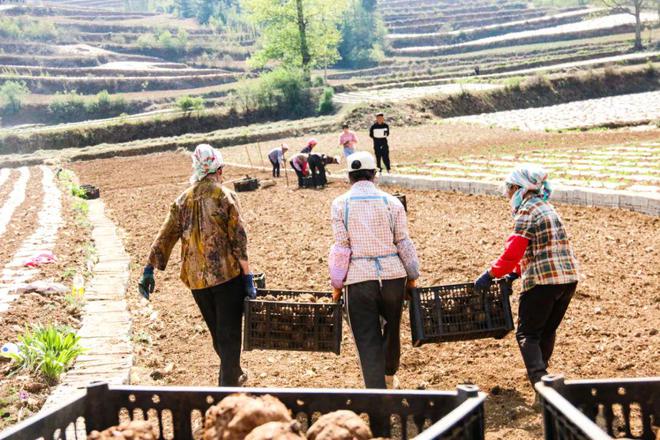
(305, 168)
(508, 261)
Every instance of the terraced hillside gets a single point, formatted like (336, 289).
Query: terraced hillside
(145, 59)
(433, 42)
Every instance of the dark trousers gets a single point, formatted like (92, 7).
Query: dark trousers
(540, 312)
(382, 154)
(222, 309)
(276, 167)
(318, 174)
(299, 174)
(374, 315)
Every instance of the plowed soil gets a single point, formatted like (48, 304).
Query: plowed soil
(611, 329)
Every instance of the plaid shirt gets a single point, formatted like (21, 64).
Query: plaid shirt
(373, 225)
(549, 257)
(206, 219)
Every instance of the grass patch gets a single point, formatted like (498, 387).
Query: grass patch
(47, 350)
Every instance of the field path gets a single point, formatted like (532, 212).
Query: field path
(623, 109)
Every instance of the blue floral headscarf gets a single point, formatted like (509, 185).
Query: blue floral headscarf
(529, 178)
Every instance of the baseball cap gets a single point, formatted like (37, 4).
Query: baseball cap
(361, 160)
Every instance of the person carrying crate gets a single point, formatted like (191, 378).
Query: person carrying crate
(540, 250)
(374, 261)
(206, 218)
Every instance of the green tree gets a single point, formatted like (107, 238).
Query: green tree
(363, 36)
(185, 8)
(12, 94)
(296, 33)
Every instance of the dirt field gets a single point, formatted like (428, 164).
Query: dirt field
(611, 329)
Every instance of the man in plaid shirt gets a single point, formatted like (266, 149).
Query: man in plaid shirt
(372, 257)
(538, 249)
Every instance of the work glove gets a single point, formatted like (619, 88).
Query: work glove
(336, 294)
(510, 278)
(484, 280)
(250, 288)
(147, 282)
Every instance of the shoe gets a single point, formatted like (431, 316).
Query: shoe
(242, 379)
(392, 382)
(537, 405)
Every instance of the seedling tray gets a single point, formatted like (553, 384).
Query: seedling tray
(291, 325)
(600, 409)
(179, 411)
(460, 312)
(246, 184)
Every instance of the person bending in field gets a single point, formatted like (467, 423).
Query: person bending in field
(538, 249)
(310, 146)
(206, 218)
(276, 158)
(317, 163)
(300, 166)
(374, 261)
(379, 132)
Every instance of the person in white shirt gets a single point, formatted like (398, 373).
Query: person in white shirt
(276, 157)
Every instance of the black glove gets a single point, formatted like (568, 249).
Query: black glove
(147, 282)
(510, 278)
(250, 288)
(484, 281)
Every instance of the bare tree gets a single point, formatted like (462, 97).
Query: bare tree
(633, 7)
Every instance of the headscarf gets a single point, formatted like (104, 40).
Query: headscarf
(205, 160)
(312, 141)
(530, 178)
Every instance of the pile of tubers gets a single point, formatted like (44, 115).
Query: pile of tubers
(245, 417)
(240, 416)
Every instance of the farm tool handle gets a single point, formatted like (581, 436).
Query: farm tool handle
(286, 175)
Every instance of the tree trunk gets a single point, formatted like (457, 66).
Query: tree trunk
(638, 26)
(302, 30)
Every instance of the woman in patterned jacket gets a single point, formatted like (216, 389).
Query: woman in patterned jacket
(538, 250)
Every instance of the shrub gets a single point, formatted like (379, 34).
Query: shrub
(325, 102)
(70, 106)
(66, 106)
(11, 96)
(163, 39)
(27, 29)
(280, 91)
(189, 103)
(47, 350)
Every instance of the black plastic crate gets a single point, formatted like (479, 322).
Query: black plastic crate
(90, 192)
(460, 312)
(260, 280)
(600, 409)
(308, 182)
(424, 415)
(291, 325)
(402, 199)
(246, 184)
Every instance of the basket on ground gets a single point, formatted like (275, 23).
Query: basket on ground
(600, 409)
(175, 410)
(287, 324)
(246, 184)
(460, 312)
(402, 199)
(260, 280)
